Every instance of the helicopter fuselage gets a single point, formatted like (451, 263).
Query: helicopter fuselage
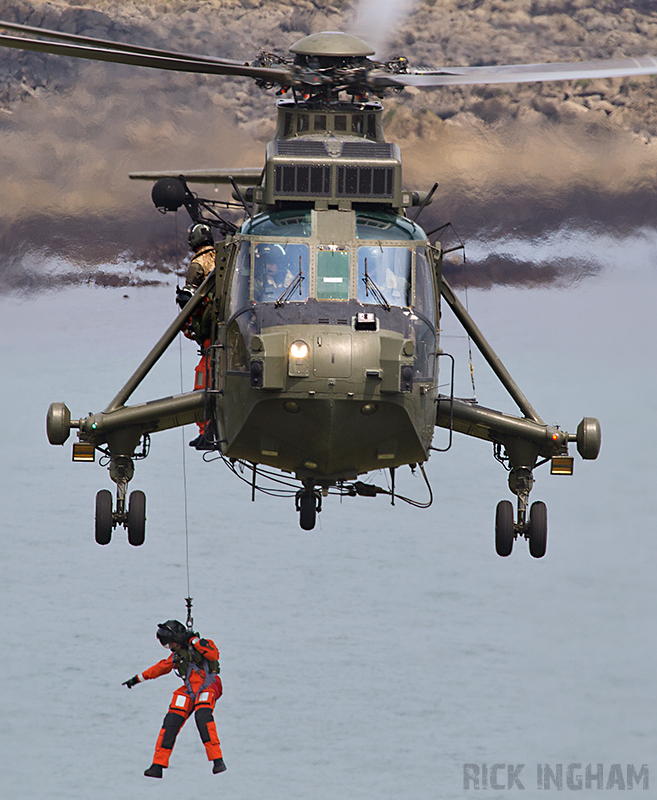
(339, 377)
(323, 356)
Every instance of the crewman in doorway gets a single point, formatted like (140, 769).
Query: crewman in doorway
(201, 242)
(196, 661)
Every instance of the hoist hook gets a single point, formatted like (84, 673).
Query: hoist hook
(190, 619)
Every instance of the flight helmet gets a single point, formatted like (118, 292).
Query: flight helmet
(199, 234)
(269, 254)
(171, 631)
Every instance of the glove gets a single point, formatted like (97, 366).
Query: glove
(183, 296)
(131, 682)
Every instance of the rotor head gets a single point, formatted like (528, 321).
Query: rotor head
(332, 44)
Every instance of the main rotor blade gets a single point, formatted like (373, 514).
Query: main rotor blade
(107, 44)
(278, 75)
(521, 73)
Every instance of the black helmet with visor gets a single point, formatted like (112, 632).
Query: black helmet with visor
(171, 631)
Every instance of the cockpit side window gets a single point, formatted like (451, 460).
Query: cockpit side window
(424, 326)
(424, 296)
(389, 269)
(279, 267)
(241, 279)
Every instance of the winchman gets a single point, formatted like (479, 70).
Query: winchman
(201, 242)
(196, 661)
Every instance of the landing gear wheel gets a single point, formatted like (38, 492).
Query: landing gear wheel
(504, 528)
(538, 529)
(307, 511)
(104, 522)
(137, 518)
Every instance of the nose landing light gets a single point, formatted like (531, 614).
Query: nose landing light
(299, 363)
(299, 350)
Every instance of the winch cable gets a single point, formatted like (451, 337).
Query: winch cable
(184, 473)
(188, 599)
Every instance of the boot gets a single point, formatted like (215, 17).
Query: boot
(219, 766)
(202, 443)
(154, 771)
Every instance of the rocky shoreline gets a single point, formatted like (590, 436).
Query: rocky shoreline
(524, 157)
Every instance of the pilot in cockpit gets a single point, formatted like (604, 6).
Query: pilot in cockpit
(272, 272)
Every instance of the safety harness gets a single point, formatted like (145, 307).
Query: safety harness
(210, 668)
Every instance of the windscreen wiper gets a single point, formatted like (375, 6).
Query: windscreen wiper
(377, 294)
(289, 290)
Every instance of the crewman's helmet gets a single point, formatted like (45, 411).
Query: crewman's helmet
(198, 235)
(171, 631)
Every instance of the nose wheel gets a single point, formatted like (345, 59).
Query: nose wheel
(134, 519)
(308, 503)
(534, 530)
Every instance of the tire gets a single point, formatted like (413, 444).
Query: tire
(104, 523)
(136, 518)
(307, 511)
(504, 530)
(538, 529)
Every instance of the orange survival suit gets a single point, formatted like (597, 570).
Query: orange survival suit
(198, 665)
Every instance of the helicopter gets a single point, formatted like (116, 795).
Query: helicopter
(334, 373)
